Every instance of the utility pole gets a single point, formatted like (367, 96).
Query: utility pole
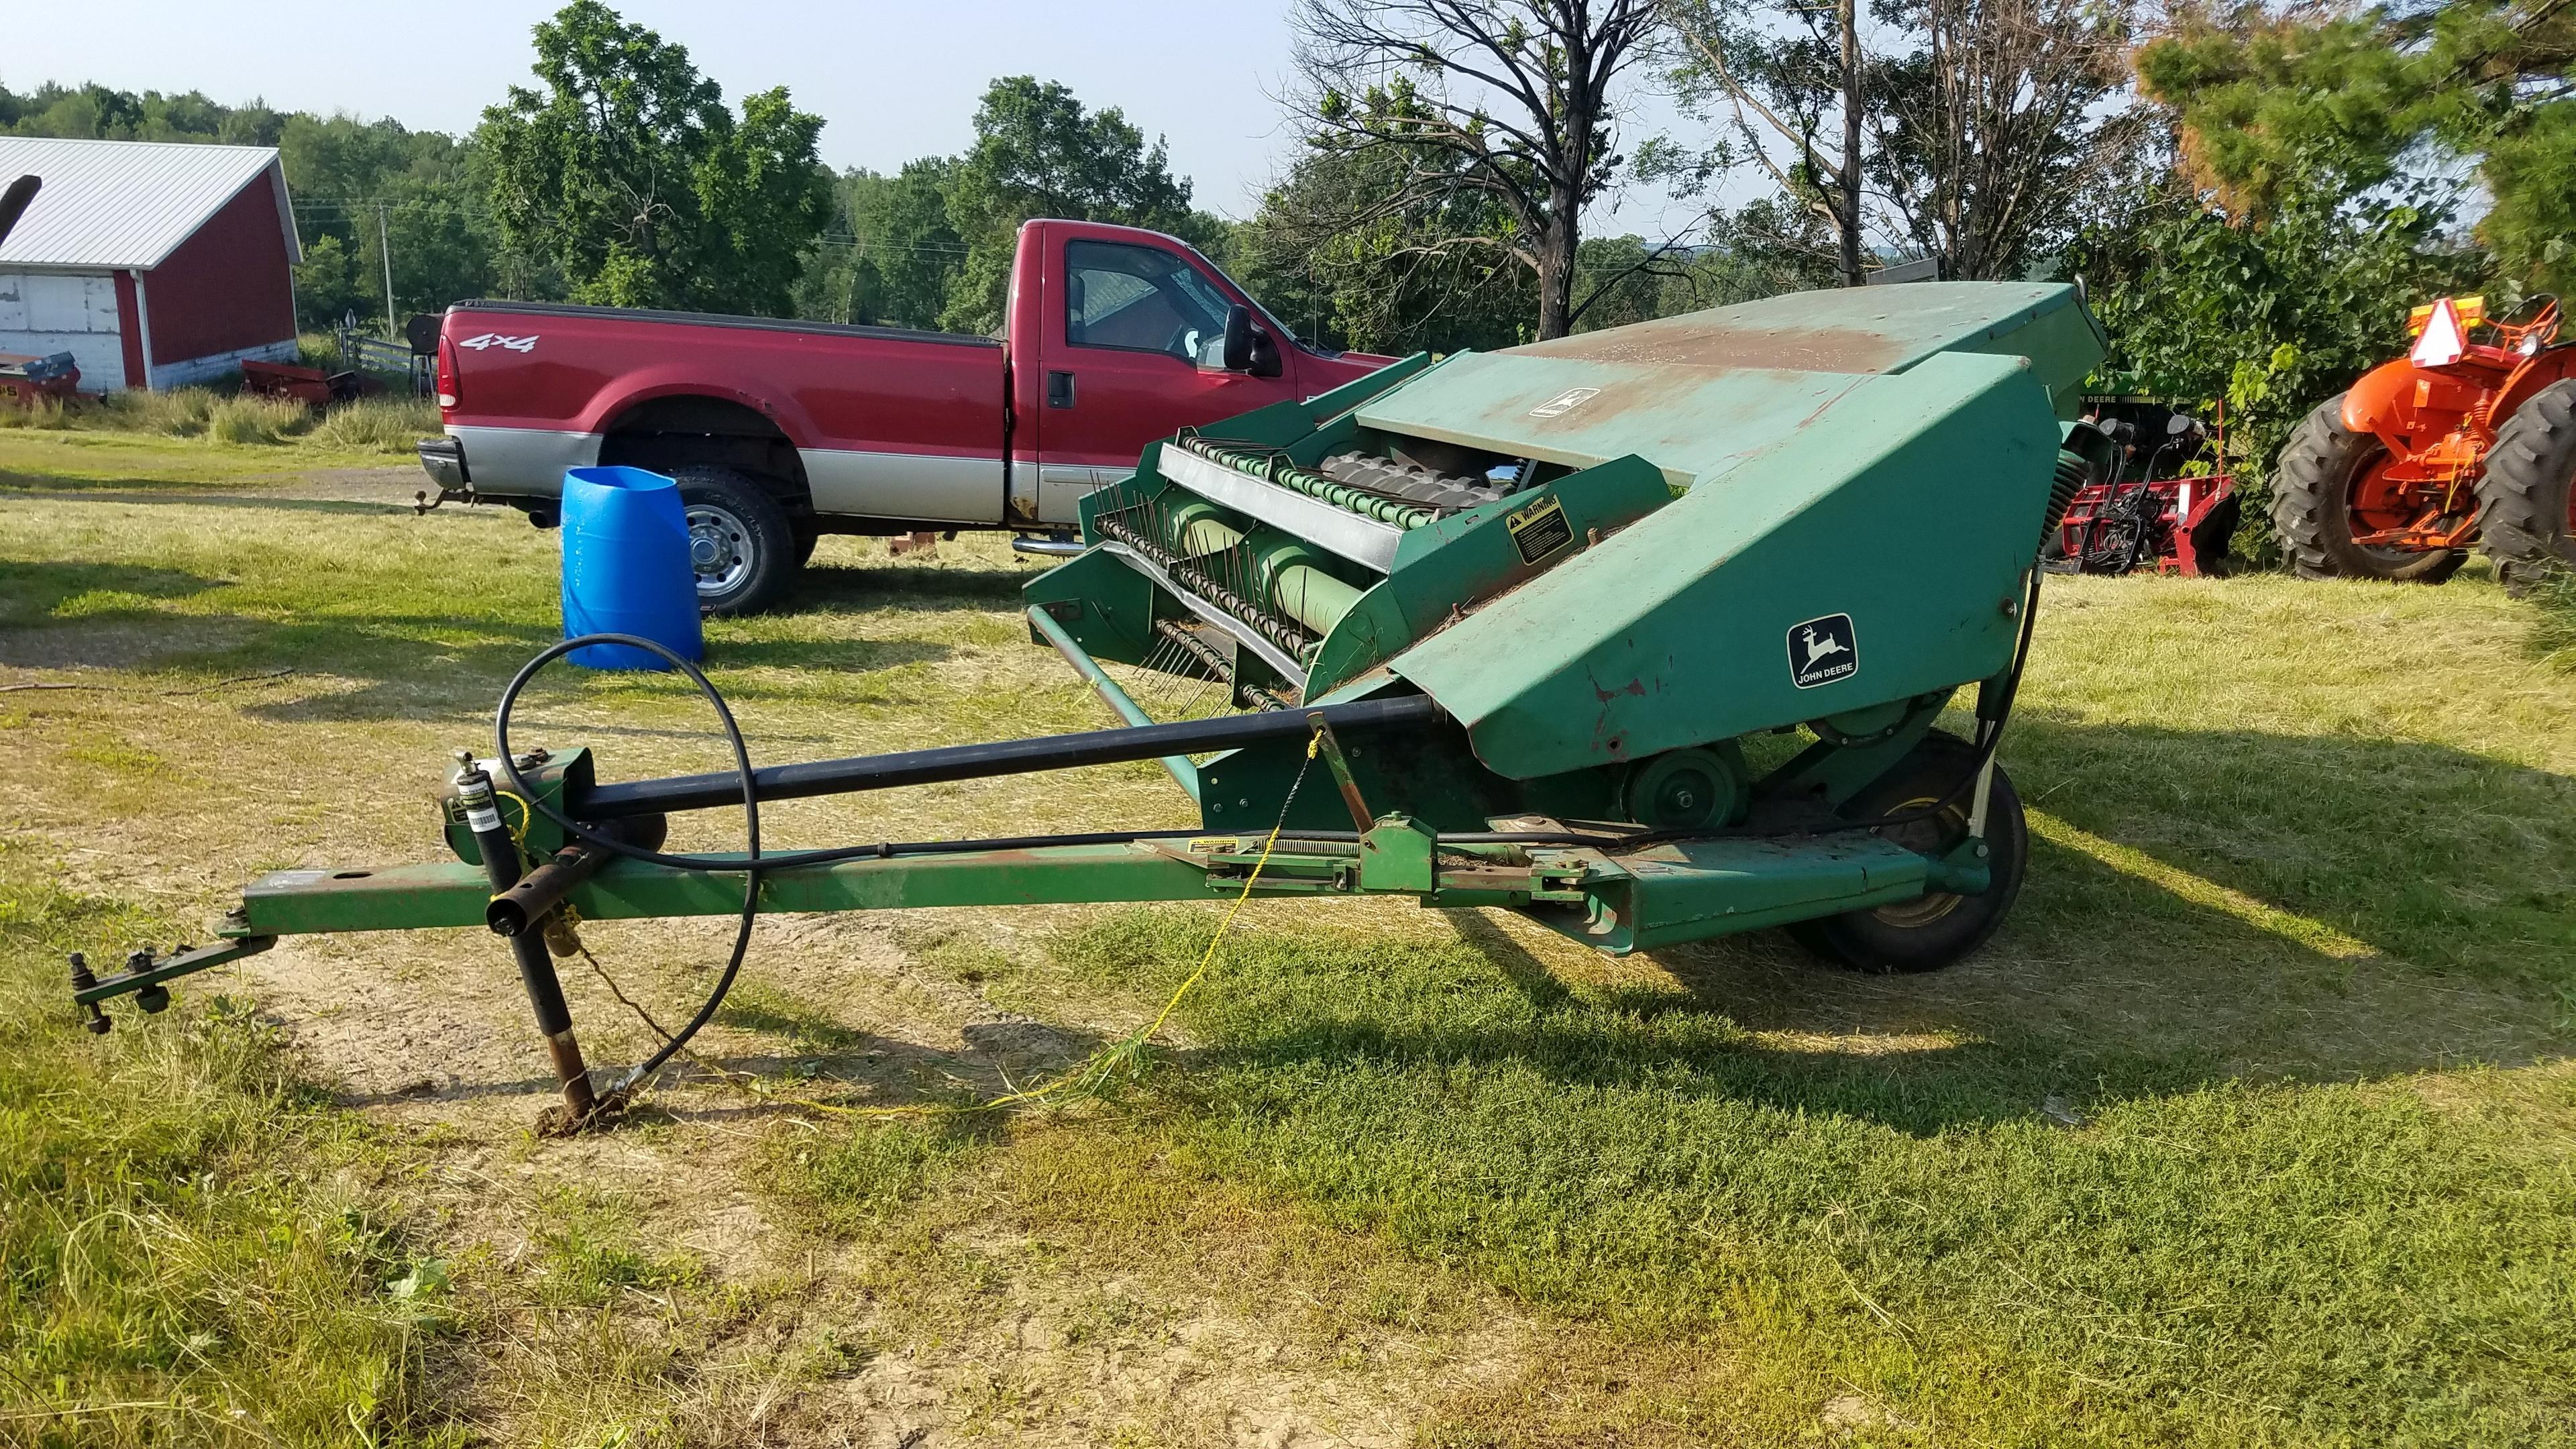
(384, 244)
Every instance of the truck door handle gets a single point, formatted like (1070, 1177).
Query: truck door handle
(1059, 389)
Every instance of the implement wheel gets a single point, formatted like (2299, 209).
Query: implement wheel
(2332, 484)
(2526, 508)
(1932, 931)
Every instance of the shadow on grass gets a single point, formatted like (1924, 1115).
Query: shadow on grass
(2450, 861)
(2138, 963)
(248, 500)
(909, 586)
(31, 593)
(410, 665)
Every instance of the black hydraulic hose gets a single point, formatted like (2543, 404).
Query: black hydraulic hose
(751, 867)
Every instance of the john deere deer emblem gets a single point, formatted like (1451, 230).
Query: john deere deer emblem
(1822, 651)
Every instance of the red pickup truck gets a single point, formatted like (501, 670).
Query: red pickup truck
(780, 431)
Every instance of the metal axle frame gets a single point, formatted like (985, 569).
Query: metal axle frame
(1613, 898)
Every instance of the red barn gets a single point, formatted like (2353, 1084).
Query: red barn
(152, 263)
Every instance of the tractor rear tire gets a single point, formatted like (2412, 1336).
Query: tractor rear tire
(1930, 931)
(2526, 514)
(2312, 507)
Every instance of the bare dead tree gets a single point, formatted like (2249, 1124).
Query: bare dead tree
(1783, 76)
(1969, 129)
(1513, 99)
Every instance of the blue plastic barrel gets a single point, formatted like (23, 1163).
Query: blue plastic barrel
(626, 567)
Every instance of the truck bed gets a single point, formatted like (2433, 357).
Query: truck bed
(885, 421)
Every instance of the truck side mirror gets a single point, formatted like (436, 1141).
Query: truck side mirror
(1265, 354)
(1238, 339)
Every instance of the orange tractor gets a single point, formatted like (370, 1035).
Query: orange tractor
(2469, 439)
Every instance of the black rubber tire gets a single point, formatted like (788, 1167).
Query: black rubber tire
(730, 511)
(1933, 931)
(2523, 496)
(2312, 507)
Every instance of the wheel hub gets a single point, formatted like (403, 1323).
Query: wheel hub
(1933, 835)
(719, 548)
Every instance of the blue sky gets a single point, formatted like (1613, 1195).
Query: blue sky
(892, 81)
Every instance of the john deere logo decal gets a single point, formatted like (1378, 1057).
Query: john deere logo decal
(1565, 402)
(1822, 651)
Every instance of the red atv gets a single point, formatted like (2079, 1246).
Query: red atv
(2468, 439)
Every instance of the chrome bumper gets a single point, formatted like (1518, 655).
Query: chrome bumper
(443, 459)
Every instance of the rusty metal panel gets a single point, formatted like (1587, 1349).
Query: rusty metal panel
(1701, 393)
(1856, 329)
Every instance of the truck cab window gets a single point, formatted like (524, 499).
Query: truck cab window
(1141, 299)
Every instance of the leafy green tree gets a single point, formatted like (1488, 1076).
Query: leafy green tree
(906, 242)
(99, 113)
(632, 180)
(2269, 316)
(2274, 101)
(359, 184)
(1037, 153)
(1346, 249)
(331, 284)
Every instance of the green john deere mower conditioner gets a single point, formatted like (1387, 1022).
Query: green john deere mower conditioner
(1494, 630)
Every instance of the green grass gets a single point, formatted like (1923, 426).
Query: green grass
(2205, 1260)
(2254, 1126)
(387, 425)
(196, 1251)
(2553, 636)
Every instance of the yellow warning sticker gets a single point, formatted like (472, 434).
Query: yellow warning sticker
(1540, 529)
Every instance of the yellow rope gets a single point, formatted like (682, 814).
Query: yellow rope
(1093, 1069)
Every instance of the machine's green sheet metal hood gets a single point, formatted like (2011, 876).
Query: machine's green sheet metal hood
(1907, 504)
(1700, 393)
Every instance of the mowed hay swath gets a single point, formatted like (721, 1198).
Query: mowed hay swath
(2252, 1126)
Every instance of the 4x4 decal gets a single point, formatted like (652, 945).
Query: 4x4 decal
(496, 339)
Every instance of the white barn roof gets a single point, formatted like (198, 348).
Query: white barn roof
(128, 203)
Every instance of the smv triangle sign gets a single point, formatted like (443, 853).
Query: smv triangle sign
(2443, 340)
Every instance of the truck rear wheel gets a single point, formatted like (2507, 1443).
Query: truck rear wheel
(2526, 506)
(2327, 477)
(1930, 931)
(740, 542)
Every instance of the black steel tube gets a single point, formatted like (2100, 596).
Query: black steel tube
(1005, 757)
(513, 911)
(527, 948)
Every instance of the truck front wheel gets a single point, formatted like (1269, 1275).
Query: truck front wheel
(740, 542)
